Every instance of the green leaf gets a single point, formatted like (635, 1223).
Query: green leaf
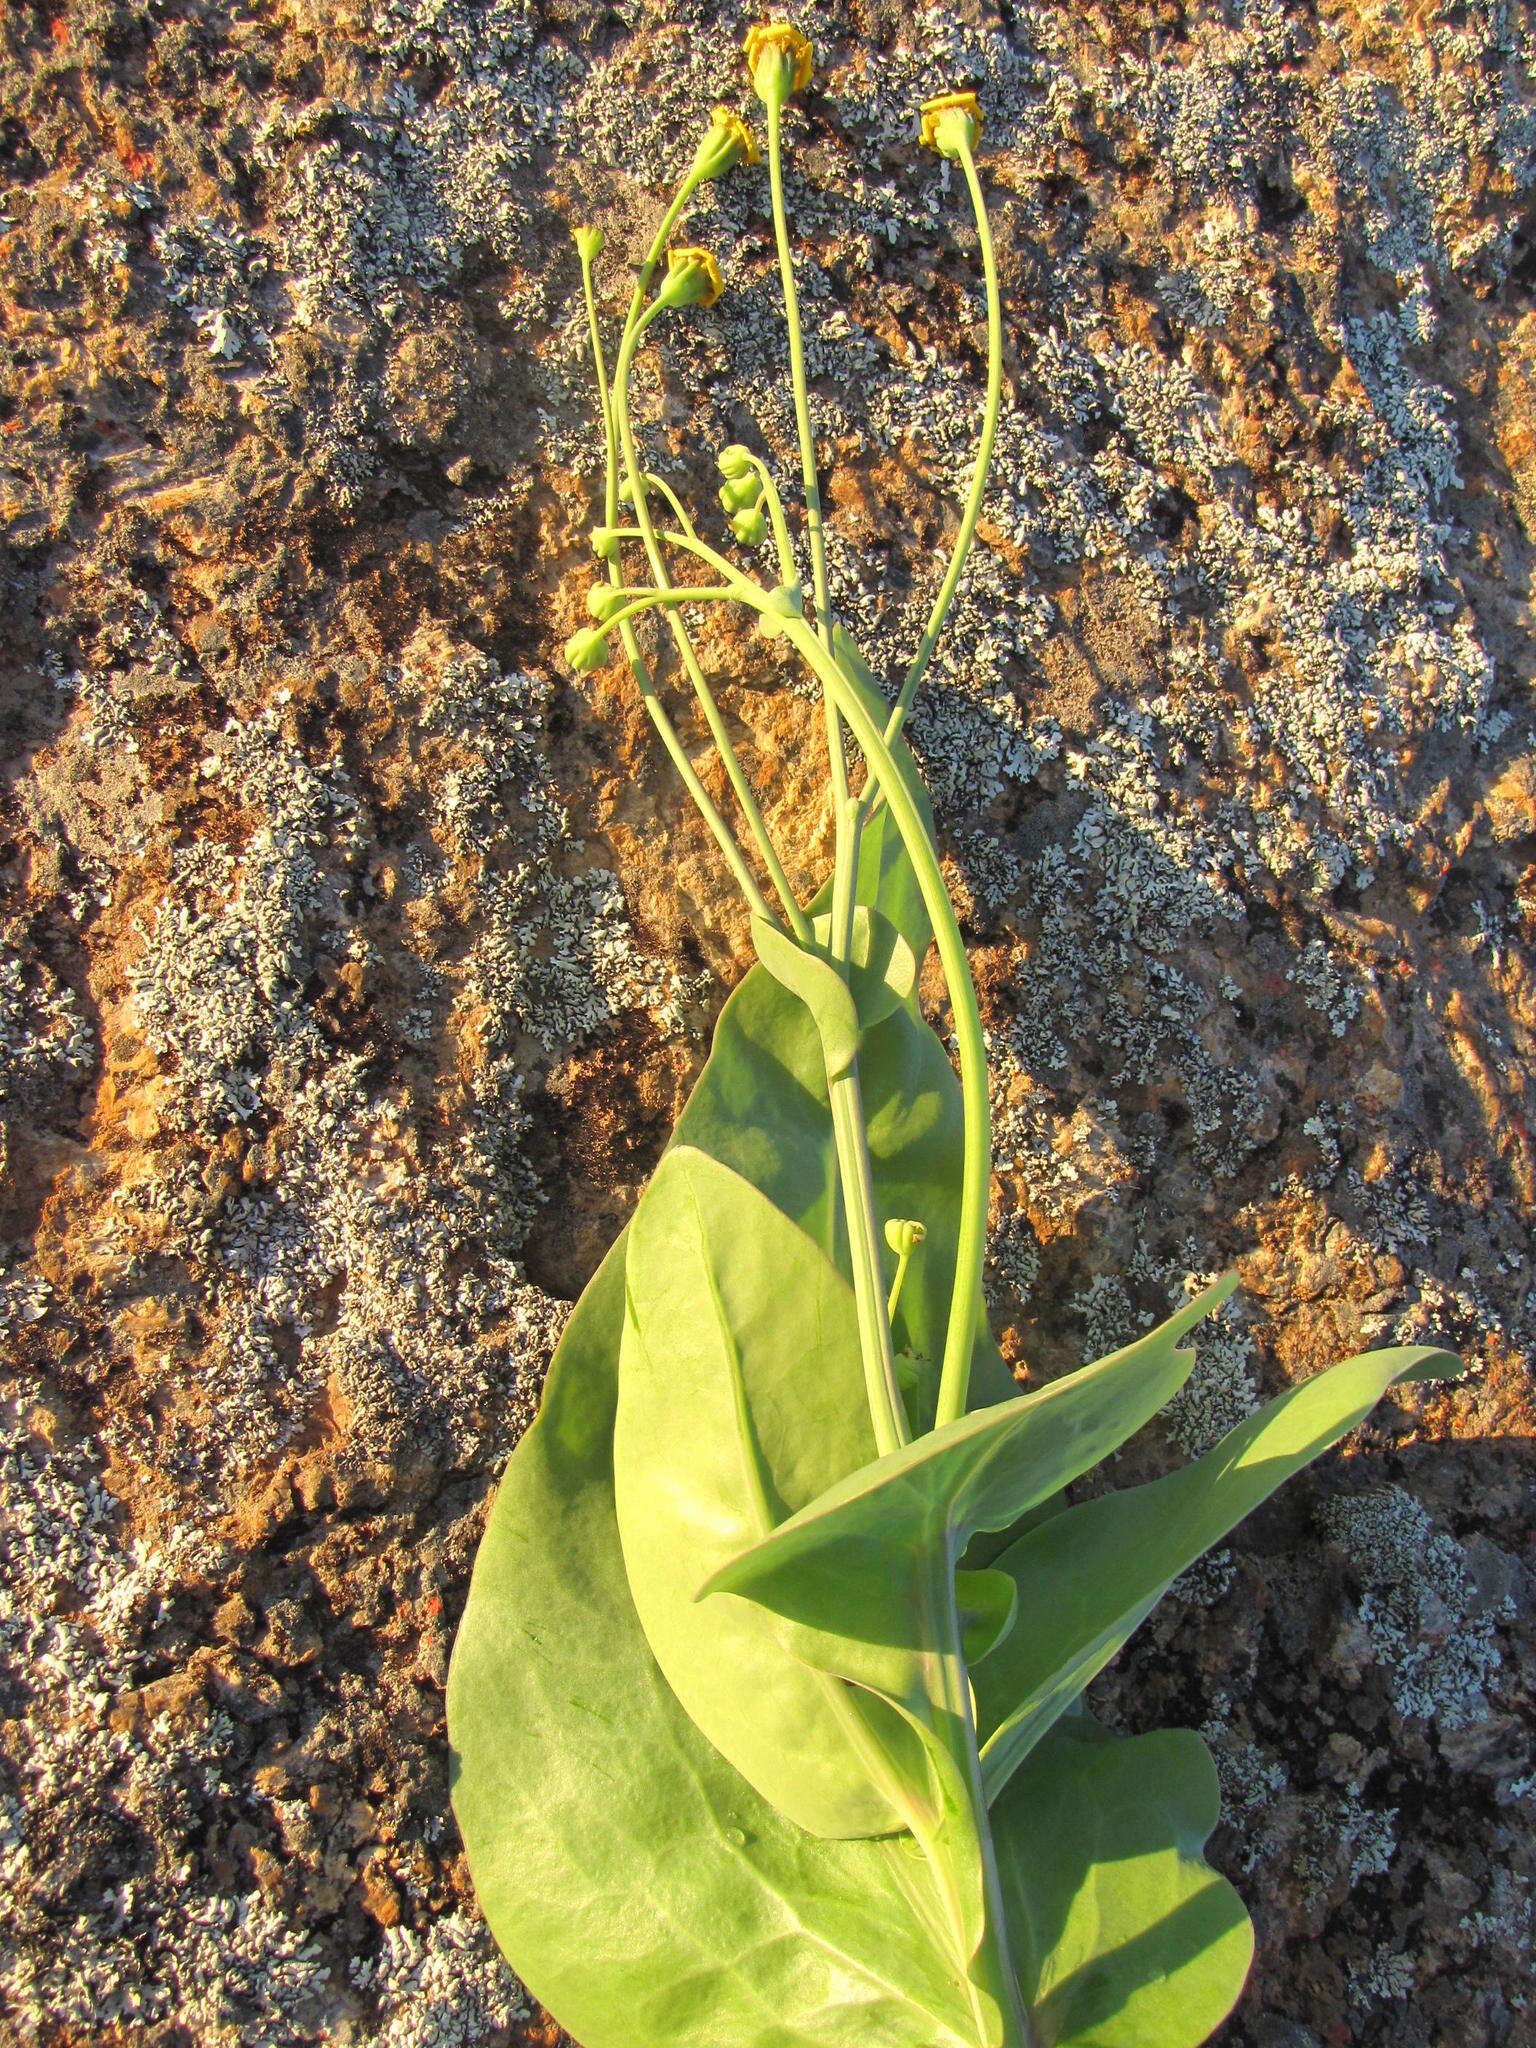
(1090, 1576)
(819, 986)
(882, 968)
(1122, 1937)
(647, 1896)
(636, 1883)
(833, 1569)
(864, 1582)
(741, 1397)
(882, 973)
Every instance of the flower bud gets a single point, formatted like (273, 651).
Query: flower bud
(903, 1234)
(735, 462)
(693, 278)
(741, 495)
(750, 526)
(589, 242)
(587, 649)
(950, 119)
(605, 539)
(728, 141)
(603, 601)
(779, 60)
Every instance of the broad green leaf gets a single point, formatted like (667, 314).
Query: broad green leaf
(881, 973)
(741, 1398)
(856, 1571)
(636, 1883)
(646, 1895)
(1088, 1577)
(1122, 1937)
(864, 1580)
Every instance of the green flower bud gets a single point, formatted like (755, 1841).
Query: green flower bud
(587, 650)
(693, 278)
(589, 243)
(743, 494)
(603, 601)
(605, 543)
(727, 142)
(950, 120)
(750, 526)
(779, 60)
(735, 462)
(903, 1234)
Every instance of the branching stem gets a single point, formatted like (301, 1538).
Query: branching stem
(634, 328)
(677, 753)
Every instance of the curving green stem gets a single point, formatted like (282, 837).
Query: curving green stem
(634, 329)
(846, 852)
(977, 478)
(976, 1172)
(664, 599)
(972, 511)
(788, 568)
(977, 491)
(665, 490)
(721, 833)
(976, 1175)
(775, 110)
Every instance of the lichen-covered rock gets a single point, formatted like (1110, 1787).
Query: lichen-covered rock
(355, 960)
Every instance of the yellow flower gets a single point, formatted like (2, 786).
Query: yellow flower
(779, 59)
(727, 142)
(693, 278)
(948, 118)
(589, 242)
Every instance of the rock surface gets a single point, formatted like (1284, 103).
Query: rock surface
(356, 959)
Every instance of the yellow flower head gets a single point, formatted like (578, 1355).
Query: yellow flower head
(589, 242)
(693, 278)
(948, 119)
(728, 141)
(779, 59)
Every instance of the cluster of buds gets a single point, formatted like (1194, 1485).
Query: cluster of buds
(742, 494)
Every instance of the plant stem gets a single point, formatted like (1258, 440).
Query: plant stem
(723, 837)
(989, 1969)
(679, 511)
(781, 540)
(665, 598)
(977, 1168)
(880, 1382)
(799, 924)
(835, 758)
(976, 1171)
(972, 510)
